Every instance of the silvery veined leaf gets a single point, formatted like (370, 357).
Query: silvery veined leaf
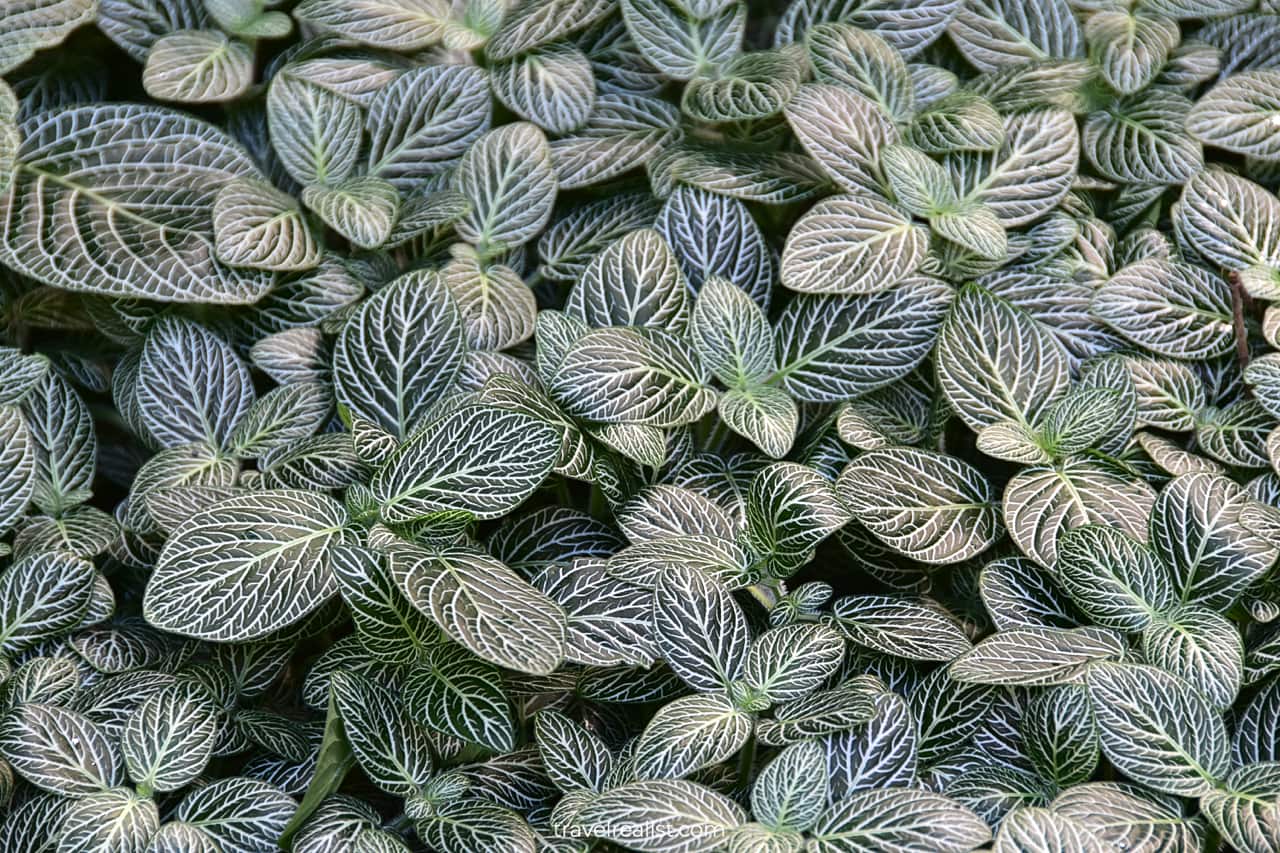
(115, 819)
(843, 131)
(121, 646)
(625, 131)
(1013, 442)
(241, 815)
(1170, 457)
(400, 352)
(59, 750)
(1229, 220)
(1113, 578)
(255, 225)
(681, 46)
(1170, 393)
(635, 281)
(917, 181)
(751, 87)
(575, 758)
(459, 695)
(532, 23)
(957, 121)
(1141, 140)
(1257, 727)
(423, 121)
(1197, 531)
(1244, 810)
(864, 61)
(1017, 593)
(791, 791)
(662, 816)
(633, 375)
(644, 444)
(195, 464)
(425, 211)
(833, 348)
(897, 414)
(714, 235)
(463, 825)
(32, 25)
(1172, 309)
(1038, 830)
(401, 25)
(169, 738)
(790, 509)
(246, 566)
(897, 819)
(1156, 729)
(178, 837)
(1238, 114)
(1060, 735)
(992, 33)
(477, 459)
(282, 415)
(975, 228)
(552, 536)
(145, 216)
(1130, 47)
(765, 177)
(577, 235)
(1237, 433)
(17, 465)
(996, 363)
(315, 132)
(85, 531)
(389, 628)
(320, 463)
(908, 25)
(880, 754)
(360, 208)
(850, 244)
(689, 734)
(191, 385)
(929, 506)
(19, 373)
(821, 713)
(498, 309)
(508, 177)
(393, 751)
(378, 841)
(1188, 9)
(333, 823)
(246, 18)
(43, 596)
(1060, 306)
(789, 663)
(1035, 656)
(484, 606)
(1127, 816)
(732, 334)
(1201, 647)
(1043, 502)
(700, 630)
(764, 415)
(901, 626)
(357, 75)
(197, 66)
(552, 86)
(668, 510)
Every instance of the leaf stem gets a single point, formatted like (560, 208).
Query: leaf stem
(1239, 303)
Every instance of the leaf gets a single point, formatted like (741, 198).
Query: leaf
(752, 86)
(575, 758)
(536, 22)
(1042, 503)
(1243, 810)
(165, 253)
(400, 352)
(917, 629)
(790, 662)
(764, 415)
(197, 66)
(59, 750)
(1129, 47)
(552, 86)
(1123, 814)
(995, 363)
(1202, 648)
(791, 791)
(1034, 656)
(833, 348)
(689, 734)
(699, 628)
(864, 61)
(283, 415)
(681, 46)
(1112, 577)
(362, 209)
(897, 818)
(508, 177)
(404, 25)
(33, 25)
(459, 695)
(246, 566)
(1171, 309)
(851, 244)
(715, 235)
(170, 737)
(929, 506)
(241, 815)
(256, 225)
(1238, 114)
(1035, 829)
(880, 754)
(1141, 140)
(456, 827)
(1003, 32)
(635, 281)
(484, 606)
(393, 751)
(64, 443)
(41, 597)
(842, 130)
(662, 816)
(1156, 729)
(315, 132)
(1031, 171)
(1061, 735)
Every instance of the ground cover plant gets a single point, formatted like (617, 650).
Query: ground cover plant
(665, 425)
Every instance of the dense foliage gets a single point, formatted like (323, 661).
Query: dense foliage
(668, 425)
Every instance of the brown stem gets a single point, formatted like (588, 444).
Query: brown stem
(1239, 304)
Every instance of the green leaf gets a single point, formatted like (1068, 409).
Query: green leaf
(393, 751)
(457, 694)
(897, 818)
(552, 86)
(1201, 647)
(844, 132)
(751, 87)
(197, 66)
(790, 662)
(169, 738)
(59, 750)
(1112, 577)
(681, 46)
(241, 815)
(851, 244)
(361, 208)
(246, 566)
(1004, 32)
(635, 281)
(1120, 814)
(791, 791)
(700, 629)
(1060, 735)
(1035, 656)
(1243, 809)
(404, 25)
(863, 61)
(1142, 140)
(315, 132)
(41, 597)
(1156, 729)
(255, 225)
(118, 818)
(689, 734)
(1130, 47)
(575, 758)
(389, 627)
(917, 629)
(508, 177)
(662, 816)
(1239, 114)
